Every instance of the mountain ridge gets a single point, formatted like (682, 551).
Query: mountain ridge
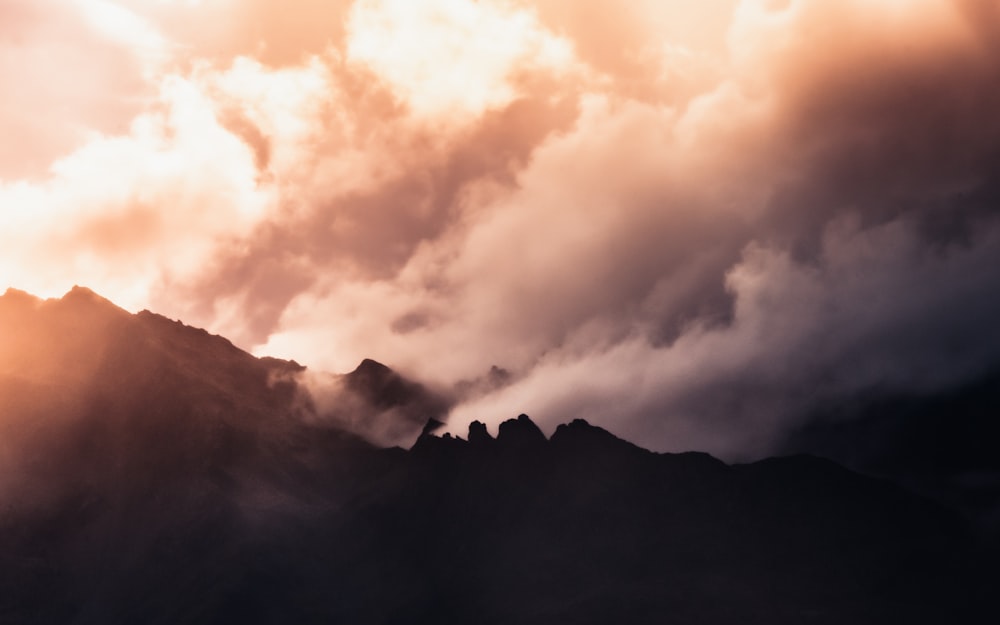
(168, 477)
(86, 344)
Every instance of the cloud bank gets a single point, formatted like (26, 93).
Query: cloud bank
(689, 225)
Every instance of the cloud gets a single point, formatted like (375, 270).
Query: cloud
(448, 57)
(276, 34)
(124, 210)
(875, 314)
(69, 69)
(654, 216)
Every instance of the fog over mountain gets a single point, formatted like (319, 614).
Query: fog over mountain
(736, 259)
(81, 355)
(151, 472)
(696, 225)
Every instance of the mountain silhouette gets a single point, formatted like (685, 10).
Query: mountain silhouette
(154, 473)
(945, 445)
(82, 355)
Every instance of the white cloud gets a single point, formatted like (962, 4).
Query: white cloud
(446, 57)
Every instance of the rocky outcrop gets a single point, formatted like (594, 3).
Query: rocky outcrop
(479, 435)
(521, 433)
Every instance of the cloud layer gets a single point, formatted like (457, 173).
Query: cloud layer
(688, 225)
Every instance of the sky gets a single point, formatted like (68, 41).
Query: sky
(693, 224)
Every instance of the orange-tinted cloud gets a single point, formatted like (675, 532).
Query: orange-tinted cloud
(627, 207)
(65, 75)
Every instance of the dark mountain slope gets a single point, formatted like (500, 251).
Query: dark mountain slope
(156, 474)
(945, 445)
(96, 399)
(587, 528)
(81, 355)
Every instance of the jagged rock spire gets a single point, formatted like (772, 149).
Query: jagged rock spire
(521, 432)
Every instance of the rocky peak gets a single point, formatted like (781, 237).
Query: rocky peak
(478, 434)
(80, 297)
(580, 437)
(580, 431)
(14, 303)
(378, 383)
(12, 295)
(521, 432)
(372, 369)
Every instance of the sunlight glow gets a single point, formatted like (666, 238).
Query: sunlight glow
(444, 56)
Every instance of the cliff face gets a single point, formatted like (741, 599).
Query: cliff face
(155, 473)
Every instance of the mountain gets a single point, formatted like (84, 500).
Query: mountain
(82, 355)
(154, 473)
(945, 445)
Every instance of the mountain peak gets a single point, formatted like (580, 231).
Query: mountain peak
(521, 432)
(80, 297)
(14, 296)
(82, 290)
(372, 369)
(580, 427)
(76, 299)
(478, 433)
(579, 434)
(12, 292)
(82, 293)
